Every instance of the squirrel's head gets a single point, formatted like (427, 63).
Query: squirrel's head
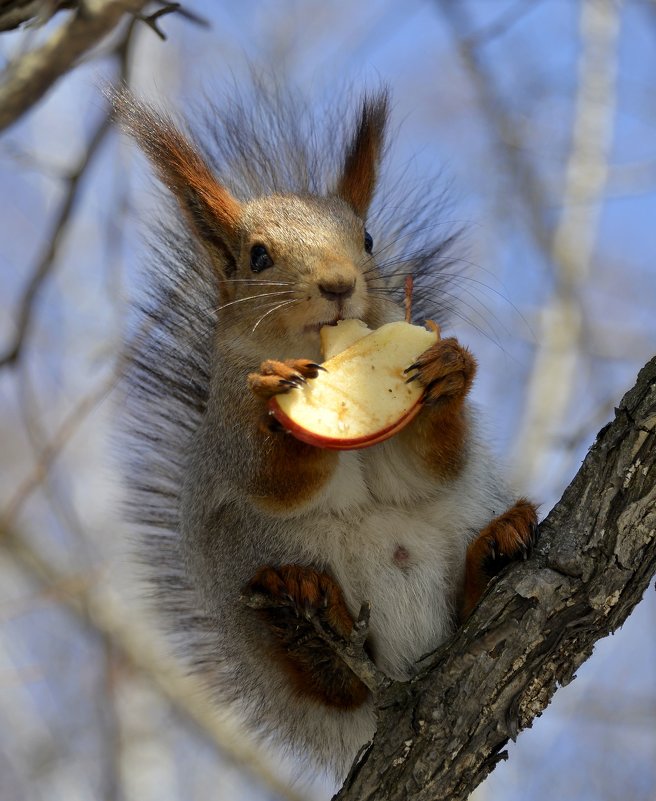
(284, 262)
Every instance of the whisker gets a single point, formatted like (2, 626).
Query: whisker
(477, 293)
(414, 232)
(255, 297)
(407, 257)
(403, 232)
(424, 293)
(275, 308)
(420, 254)
(202, 335)
(256, 281)
(415, 258)
(483, 328)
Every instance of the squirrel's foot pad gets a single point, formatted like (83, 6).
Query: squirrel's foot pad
(288, 599)
(508, 537)
(446, 369)
(276, 378)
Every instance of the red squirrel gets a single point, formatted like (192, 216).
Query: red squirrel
(270, 240)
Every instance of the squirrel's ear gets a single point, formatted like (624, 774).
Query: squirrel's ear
(358, 179)
(211, 211)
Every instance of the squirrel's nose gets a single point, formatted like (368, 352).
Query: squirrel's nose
(337, 289)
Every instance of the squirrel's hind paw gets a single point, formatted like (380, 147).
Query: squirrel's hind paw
(508, 537)
(288, 599)
(304, 590)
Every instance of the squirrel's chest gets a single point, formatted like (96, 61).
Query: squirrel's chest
(376, 476)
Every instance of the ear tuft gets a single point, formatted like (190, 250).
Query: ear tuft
(212, 212)
(358, 180)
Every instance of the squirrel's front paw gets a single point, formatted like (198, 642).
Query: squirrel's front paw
(276, 377)
(446, 369)
(303, 590)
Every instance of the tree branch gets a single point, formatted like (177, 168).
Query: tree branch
(28, 78)
(443, 732)
(32, 13)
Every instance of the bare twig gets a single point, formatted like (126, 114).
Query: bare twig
(27, 79)
(82, 409)
(112, 750)
(28, 402)
(152, 20)
(500, 26)
(53, 492)
(14, 13)
(60, 226)
(74, 181)
(515, 163)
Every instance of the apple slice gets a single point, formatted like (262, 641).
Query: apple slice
(362, 397)
(339, 337)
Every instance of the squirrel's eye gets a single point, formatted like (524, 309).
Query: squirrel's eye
(260, 258)
(368, 242)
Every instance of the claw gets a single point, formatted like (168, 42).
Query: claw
(317, 367)
(534, 533)
(412, 378)
(414, 366)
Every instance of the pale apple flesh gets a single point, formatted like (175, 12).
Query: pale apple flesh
(362, 397)
(337, 338)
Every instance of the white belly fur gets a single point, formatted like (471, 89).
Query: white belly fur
(368, 514)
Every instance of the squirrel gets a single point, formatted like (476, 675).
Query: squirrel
(273, 236)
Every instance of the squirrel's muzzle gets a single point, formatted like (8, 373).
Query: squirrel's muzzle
(337, 289)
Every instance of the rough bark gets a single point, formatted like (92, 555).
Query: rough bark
(442, 733)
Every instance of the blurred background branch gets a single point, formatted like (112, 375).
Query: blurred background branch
(563, 327)
(26, 79)
(139, 650)
(73, 181)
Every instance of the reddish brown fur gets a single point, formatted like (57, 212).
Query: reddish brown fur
(278, 377)
(358, 181)
(291, 471)
(507, 537)
(296, 593)
(182, 168)
(212, 212)
(439, 433)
